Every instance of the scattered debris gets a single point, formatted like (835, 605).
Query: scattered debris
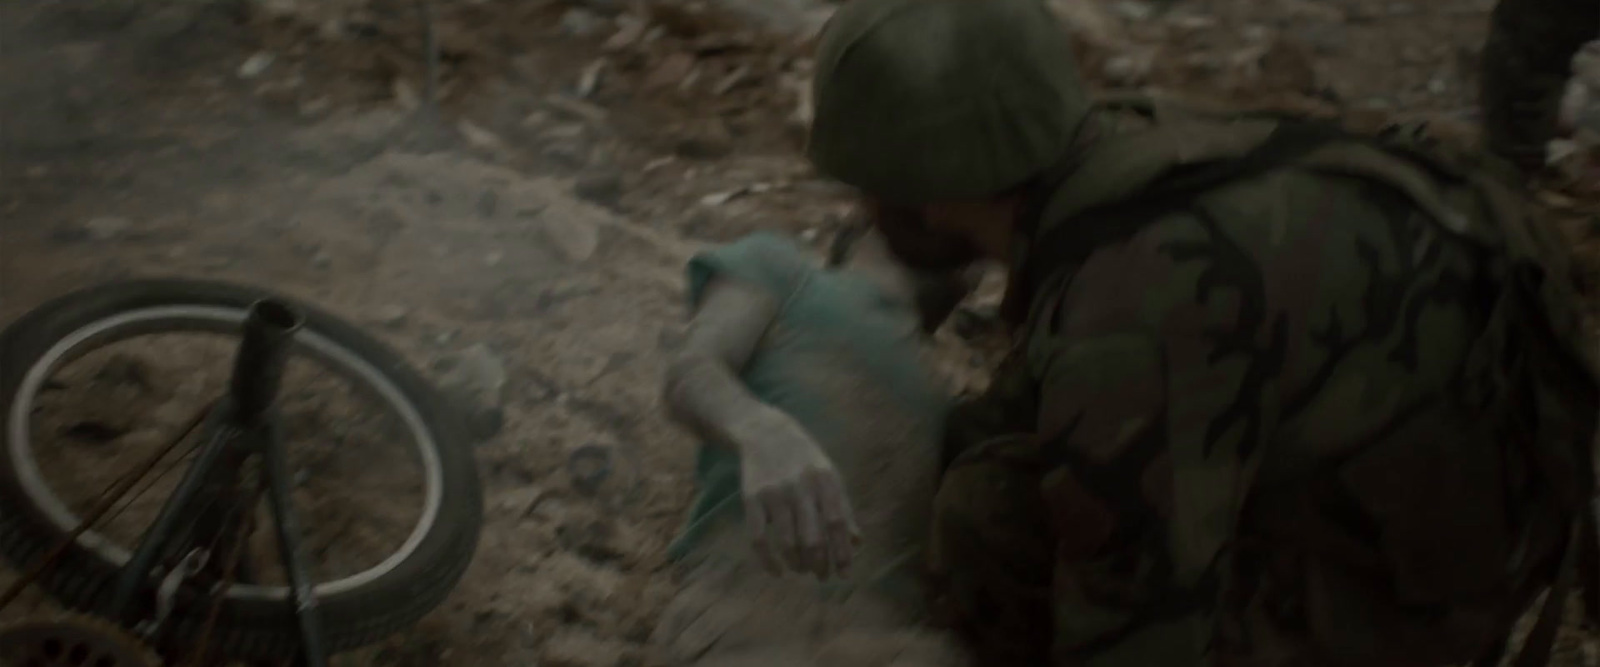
(589, 466)
(672, 70)
(707, 141)
(474, 382)
(601, 186)
(575, 108)
(405, 95)
(720, 198)
(480, 137)
(579, 22)
(739, 75)
(589, 80)
(576, 237)
(630, 31)
(256, 65)
(393, 315)
(107, 228)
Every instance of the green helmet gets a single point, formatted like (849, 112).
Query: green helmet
(929, 100)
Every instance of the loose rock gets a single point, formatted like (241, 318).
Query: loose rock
(256, 65)
(709, 141)
(601, 186)
(579, 22)
(577, 648)
(107, 228)
(474, 381)
(392, 315)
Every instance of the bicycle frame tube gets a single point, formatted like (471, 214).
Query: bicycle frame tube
(263, 353)
(241, 426)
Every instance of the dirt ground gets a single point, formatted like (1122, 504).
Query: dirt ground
(535, 189)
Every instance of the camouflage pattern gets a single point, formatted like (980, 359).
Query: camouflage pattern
(1332, 414)
(1525, 68)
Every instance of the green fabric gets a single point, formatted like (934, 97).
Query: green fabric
(830, 320)
(926, 100)
(1308, 389)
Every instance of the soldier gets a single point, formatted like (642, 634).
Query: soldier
(1280, 396)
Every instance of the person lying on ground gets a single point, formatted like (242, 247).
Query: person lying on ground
(1280, 395)
(820, 427)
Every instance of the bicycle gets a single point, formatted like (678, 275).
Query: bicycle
(190, 587)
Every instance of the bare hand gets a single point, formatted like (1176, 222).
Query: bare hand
(796, 508)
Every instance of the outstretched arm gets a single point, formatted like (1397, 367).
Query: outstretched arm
(703, 389)
(795, 505)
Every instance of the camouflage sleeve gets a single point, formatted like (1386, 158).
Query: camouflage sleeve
(1151, 407)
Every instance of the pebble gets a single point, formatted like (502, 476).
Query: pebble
(1134, 11)
(107, 228)
(601, 186)
(393, 315)
(322, 259)
(708, 142)
(316, 107)
(579, 22)
(475, 381)
(256, 65)
(575, 648)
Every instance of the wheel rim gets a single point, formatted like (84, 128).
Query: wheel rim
(226, 320)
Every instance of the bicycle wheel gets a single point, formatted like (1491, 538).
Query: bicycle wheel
(255, 620)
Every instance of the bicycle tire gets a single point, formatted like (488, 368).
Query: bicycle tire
(246, 629)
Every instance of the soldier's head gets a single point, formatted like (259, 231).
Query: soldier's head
(943, 112)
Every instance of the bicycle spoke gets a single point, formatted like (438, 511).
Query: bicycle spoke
(105, 505)
(240, 545)
(139, 565)
(186, 456)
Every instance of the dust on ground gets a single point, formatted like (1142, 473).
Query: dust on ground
(534, 189)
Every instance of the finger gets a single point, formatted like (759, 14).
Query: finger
(780, 528)
(813, 551)
(838, 521)
(756, 523)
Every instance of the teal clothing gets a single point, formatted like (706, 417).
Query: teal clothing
(829, 321)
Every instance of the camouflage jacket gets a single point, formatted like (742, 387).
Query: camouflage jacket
(1333, 407)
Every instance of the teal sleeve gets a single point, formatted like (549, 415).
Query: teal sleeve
(763, 260)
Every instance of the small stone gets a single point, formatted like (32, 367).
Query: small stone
(256, 65)
(1134, 11)
(107, 228)
(479, 137)
(322, 259)
(520, 501)
(392, 315)
(1127, 70)
(708, 142)
(570, 153)
(577, 648)
(405, 95)
(479, 374)
(601, 186)
(579, 22)
(316, 107)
